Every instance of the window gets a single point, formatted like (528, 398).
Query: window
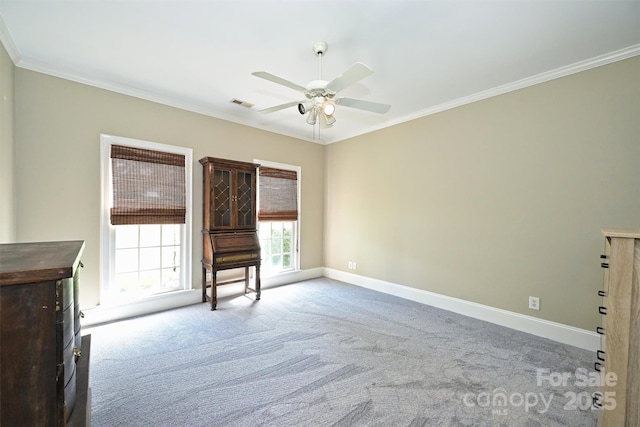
(147, 259)
(146, 219)
(278, 218)
(278, 246)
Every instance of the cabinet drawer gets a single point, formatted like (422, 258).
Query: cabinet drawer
(68, 330)
(69, 362)
(66, 292)
(70, 392)
(76, 310)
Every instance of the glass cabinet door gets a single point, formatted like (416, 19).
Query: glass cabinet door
(245, 209)
(221, 198)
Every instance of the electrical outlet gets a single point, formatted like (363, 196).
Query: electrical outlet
(352, 265)
(534, 303)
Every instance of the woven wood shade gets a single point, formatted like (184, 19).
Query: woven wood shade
(148, 186)
(278, 190)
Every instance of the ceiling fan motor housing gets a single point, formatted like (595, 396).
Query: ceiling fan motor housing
(320, 48)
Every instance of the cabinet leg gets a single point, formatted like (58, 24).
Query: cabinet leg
(258, 282)
(204, 284)
(246, 280)
(214, 290)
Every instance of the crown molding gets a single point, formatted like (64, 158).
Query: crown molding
(7, 42)
(141, 94)
(557, 73)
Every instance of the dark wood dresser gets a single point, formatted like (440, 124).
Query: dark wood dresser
(42, 351)
(229, 218)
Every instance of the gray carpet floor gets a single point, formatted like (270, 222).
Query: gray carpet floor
(325, 353)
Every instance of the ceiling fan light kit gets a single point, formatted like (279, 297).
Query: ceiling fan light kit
(321, 99)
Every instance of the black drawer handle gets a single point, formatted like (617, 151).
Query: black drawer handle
(603, 256)
(600, 355)
(600, 330)
(602, 310)
(597, 366)
(602, 293)
(604, 264)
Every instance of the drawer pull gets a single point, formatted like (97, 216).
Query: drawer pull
(597, 366)
(602, 293)
(600, 355)
(602, 310)
(604, 256)
(604, 264)
(600, 330)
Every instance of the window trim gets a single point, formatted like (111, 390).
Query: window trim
(107, 231)
(298, 170)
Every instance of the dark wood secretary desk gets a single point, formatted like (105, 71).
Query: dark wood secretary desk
(229, 218)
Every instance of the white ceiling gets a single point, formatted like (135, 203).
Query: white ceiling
(427, 56)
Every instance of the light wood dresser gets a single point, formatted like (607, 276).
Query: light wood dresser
(620, 343)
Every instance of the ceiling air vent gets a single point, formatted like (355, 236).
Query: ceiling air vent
(243, 103)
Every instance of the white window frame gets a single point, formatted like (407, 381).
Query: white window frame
(107, 231)
(298, 170)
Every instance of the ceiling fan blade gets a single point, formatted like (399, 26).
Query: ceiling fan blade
(279, 80)
(363, 105)
(279, 107)
(353, 74)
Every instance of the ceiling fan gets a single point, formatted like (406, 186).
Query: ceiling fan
(320, 95)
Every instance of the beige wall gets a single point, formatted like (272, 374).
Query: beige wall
(497, 200)
(58, 127)
(7, 150)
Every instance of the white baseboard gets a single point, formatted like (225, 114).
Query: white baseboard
(152, 304)
(555, 331)
(161, 302)
(292, 277)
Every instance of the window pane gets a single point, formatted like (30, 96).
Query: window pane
(170, 256)
(126, 236)
(276, 246)
(150, 280)
(126, 260)
(286, 261)
(287, 228)
(149, 258)
(275, 262)
(149, 235)
(170, 234)
(264, 230)
(170, 278)
(126, 282)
